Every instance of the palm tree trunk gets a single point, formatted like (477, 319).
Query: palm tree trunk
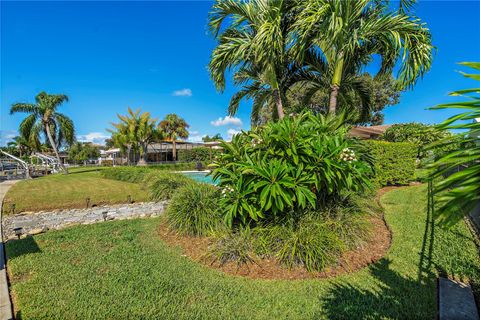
(278, 102)
(174, 150)
(335, 86)
(54, 147)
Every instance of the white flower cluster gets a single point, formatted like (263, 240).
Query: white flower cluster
(256, 142)
(348, 155)
(226, 189)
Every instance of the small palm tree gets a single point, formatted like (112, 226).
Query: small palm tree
(21, 144)
(43, 117)
(173, 128)
(134, 133)
(348, 33)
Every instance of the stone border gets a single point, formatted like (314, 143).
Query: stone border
(5, 303)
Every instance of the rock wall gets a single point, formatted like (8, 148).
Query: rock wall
(38, 222)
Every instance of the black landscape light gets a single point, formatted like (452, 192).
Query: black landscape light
(129, 199)
(104, 215)
(13, 208)
(88, 202)
(18, 231)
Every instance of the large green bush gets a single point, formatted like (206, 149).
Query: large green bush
(202, 154)
(421, 135)
(291, 164)
(393, 162)
(194, 209)
(127, 174)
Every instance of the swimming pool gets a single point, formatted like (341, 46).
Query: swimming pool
(200, 177)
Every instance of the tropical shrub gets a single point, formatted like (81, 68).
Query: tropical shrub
(291, 164)
(393, 162)
(197, 154)
(459, 192)
(422, 135)
(162, 185)
(193, 210)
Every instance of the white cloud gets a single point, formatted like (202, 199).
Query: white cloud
(196, 138)
(182, 93)
(193, 133)
(232, 132)
(94, 137)
(6, 136)
(227, 121)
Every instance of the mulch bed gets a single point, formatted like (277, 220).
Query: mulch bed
(374, 249)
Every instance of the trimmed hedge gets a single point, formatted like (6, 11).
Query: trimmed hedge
(393, 162)
(196, 154)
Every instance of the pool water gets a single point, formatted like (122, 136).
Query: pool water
(200, 177)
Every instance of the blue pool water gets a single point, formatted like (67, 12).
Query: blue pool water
(200, 177)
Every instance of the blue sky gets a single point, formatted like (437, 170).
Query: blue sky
(107, 56)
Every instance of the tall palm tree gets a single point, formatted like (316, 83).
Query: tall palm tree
(43, 117)
(173, 128)
(255, 40)
(342, 31)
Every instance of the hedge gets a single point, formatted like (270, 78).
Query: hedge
(393, 162)
(196, 154)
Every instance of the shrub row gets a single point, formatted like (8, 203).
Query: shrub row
(393, 162)
(160, 185)
(203, 154)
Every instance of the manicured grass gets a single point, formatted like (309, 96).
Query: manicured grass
(61, 191)
(121, 270)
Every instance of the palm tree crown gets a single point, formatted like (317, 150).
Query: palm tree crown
(43, 118)
(173, 128)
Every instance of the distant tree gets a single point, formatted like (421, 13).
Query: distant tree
(20, 146)
(81, 152)
(109, 143)
(216, 137)
(173, 127)
(134, 133)
(43, 117)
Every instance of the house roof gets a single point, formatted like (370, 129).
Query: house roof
(369, 132)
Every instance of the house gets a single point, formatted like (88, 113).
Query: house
(371, 132)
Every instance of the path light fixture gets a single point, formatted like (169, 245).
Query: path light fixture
(13, 208)
(129, 199)
(18, 231)
(104, 215)
(87, 200)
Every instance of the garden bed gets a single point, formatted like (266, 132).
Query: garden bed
(197, 249)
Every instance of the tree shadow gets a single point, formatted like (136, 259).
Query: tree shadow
(395, 297)
(20, 247)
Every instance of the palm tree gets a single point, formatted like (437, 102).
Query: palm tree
(348, 33)
(255, 43)
(21, 144)
(174, 127)
(135, 132)
(43, 117)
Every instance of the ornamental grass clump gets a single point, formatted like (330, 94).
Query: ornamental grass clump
(163, 185)
(193, 209)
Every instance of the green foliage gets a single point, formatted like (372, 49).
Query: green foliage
(393, 162)
(216, 137)
(197, 154)
(194, 210)
(459, 192)
(232, 246)
(288, 165)
(127, 174)
(422, 135)
(163, 185)
(80, 152)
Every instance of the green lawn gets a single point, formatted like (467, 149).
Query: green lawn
(60, 191)
(121, 270)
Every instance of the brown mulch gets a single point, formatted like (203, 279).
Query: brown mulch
(375, 248)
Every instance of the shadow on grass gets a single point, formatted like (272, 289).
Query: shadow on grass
(395, 297)
(17, 248)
